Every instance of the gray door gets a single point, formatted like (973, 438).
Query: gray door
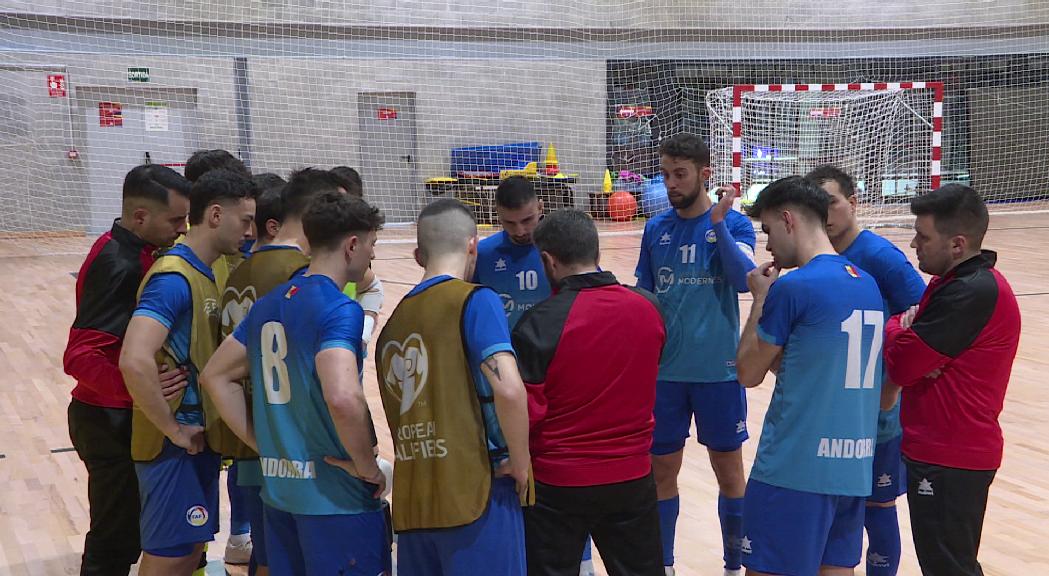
(388, 160)
(156, 125)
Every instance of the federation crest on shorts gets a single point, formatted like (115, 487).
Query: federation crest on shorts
(197, 516)
(408, 369)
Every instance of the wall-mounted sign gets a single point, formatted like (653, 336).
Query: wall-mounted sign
(56, 85)
(110, 114)
(387, 113)
(138, 74)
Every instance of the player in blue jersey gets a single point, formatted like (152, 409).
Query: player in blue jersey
(177, 316)
(901, 287)
(301, 344)
(508, 262)
(695, 258)
(820, 329)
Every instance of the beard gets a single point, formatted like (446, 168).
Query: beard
(685, 202)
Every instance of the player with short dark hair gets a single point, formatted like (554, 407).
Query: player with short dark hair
(269, 207)
(583, 352)
(508, 262)
(203, 161)
(177, 323)
(819, 329)
(695, 258)
(901, 287)
(301, 345)
(153, 214)
(952, 355)
(350, 179)
(459, 411)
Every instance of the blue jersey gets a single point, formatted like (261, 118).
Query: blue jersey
(167, 299)
(821, 422)
(901, 287)
(486, 334)
(514, 271)
(283, 333)
(680, 264)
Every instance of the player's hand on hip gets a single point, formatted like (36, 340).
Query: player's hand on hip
(907, 318)
(726, 196)
(172, 381)
(378, 478)
(760, 279)
(189, 437)
(347, 465)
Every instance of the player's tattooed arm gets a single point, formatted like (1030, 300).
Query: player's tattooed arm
(511, 408)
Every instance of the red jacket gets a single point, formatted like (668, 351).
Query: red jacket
(106, 293)
(968, 328)
(589, 356)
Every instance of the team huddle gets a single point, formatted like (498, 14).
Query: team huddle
(536, 404)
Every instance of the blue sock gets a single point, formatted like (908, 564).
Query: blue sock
(730, 511)
(883, 541)
(668, 511)
(238, 513)
(588, 554)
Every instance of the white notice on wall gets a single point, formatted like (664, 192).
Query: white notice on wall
(156, 117)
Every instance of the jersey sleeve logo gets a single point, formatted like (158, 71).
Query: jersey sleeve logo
(238, 302)
(407, 369)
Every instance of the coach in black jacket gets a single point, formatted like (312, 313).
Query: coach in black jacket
(589, 356)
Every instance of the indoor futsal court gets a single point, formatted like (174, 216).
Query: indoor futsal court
(45, 509)
(576, 101)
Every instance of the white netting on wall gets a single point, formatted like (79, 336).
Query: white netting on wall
(884, 138)
(430, 98)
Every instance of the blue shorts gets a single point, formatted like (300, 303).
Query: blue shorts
(180, 500)
(792, 532)
(719, 409)
(349, 544)
(492, 544)
(890, 473)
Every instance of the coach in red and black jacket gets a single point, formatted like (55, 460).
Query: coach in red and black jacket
(952, 355)
(155, 205)
(589, 356)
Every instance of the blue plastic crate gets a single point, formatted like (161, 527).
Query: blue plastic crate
(488, 161)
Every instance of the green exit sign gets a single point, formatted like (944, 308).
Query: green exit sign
(138, 74)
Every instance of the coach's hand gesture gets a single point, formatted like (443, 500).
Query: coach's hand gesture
(726, 196)
(172, 381)
(761, 278)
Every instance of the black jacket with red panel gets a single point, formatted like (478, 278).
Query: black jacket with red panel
(964, 336)
(106, 293)
(589, 357)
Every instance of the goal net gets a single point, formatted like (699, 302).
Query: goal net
(886, 135)
(430, 99)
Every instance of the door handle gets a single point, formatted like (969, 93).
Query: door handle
(407, 157)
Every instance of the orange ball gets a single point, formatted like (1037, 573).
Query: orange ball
(622, 206)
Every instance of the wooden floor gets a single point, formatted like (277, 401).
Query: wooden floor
(43, 508)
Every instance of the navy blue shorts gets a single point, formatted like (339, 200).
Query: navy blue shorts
(792, 532)
(252, 500)
(349, 544)
(890, 473)
(719, 409)
(180, 500)
(492, 544)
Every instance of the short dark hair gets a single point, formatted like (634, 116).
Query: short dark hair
(351, 180)
(514, 192)
(269, 204)
(152, 182)
(956, 209)
(568, 235)
(442, 205)
(305, 185)
(687, 146)
(332, 216)
(204, 161)
(218, 187)
(793, 191)
(828, 172)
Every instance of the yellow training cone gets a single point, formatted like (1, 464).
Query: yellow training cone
(607, 186)
(551, 167)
